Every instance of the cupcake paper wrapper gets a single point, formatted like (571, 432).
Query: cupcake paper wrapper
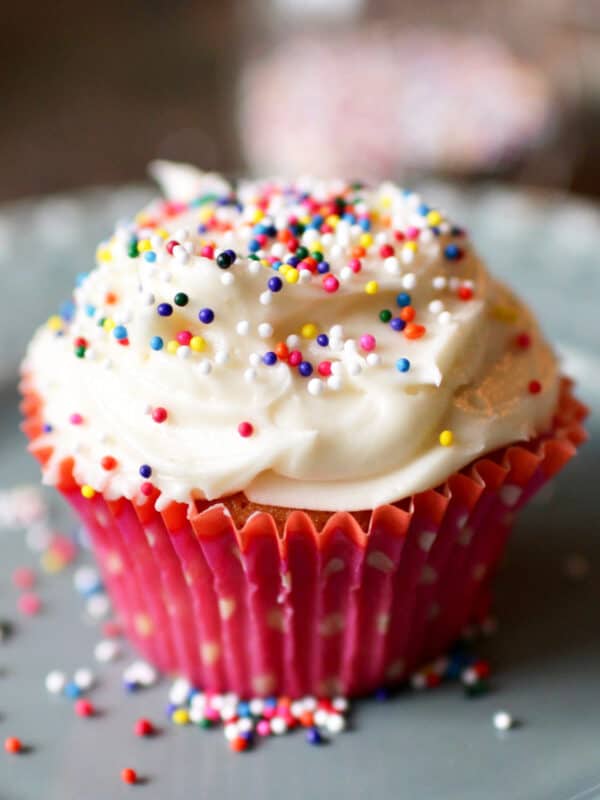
(259, 611)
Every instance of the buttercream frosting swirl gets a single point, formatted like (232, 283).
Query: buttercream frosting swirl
(353, 352)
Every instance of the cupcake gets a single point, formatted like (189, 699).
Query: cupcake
(297, 420)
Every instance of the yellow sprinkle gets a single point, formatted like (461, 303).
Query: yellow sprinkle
(103, 254)
(52, 562)
(205, 213)
(365, 240)
(292, 275)
(197, 344)
(371, 287)
(108, 324)
(264, 262)
(304, 220)
(162, 233)
(172, 346)
(504, 313)
(257, 215)
(434, 218)
(411, 246)
(88, 491)
(180, 716)
(317, 247)
(309, 330)
(385, 201)
(143, 245)
(284, 269)
(446, 438)
(55, 323)
(332, 220)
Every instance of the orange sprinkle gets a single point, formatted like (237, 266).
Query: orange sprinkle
(358, 252)
(281, 351)
(414, 331)
(407, 313)
(110, 298)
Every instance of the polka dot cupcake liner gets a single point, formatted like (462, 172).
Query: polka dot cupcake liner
(292, 610)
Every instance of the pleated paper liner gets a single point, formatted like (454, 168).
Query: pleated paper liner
(270, 608)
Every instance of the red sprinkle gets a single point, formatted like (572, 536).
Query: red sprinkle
(294, 358)
(523, 341)
(13, 745)
(386, 250)
(23, 577)
(170, 246)
(465, 293)
(83, 708)
(108, 463)
(129, 775)
(238, 744)
(324, 368)
(159, 414)
(535, 387)
(146, 488)
(29, 604)
(245, 429)
(143, 727)
(184, 337)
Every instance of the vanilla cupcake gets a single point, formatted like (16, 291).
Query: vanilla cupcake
(296, 420)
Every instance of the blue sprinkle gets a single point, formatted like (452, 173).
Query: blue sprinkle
(253, 246)
(120, 332)
(269, 358)
(145, 470)
(67, 310)
(313, 736)
(403, 365)
(72, 691)
(305, 368)
(397, 324)
(90, 310)
(275, 284)
(150, 256)
(423, 209)
(452, 252)
(403, 299)
(323, 339)
(156, 343)
(365, 224)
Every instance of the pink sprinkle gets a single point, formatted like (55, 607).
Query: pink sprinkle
(29, 604)
(368, 342)
(171, 245)
(207, 251)
(294, 358)
(184, 337)
(331, 283)
(75, 419)
(23, 578)
(263, 728)
(212, 714)
(245, 429)
(83, 708)
(63, 547)
(412, 232)
(355, 264)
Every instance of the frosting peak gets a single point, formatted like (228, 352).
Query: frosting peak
(316, 345)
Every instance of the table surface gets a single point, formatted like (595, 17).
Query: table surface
(437, 745)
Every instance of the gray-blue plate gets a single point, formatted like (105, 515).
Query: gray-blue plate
(432, 746)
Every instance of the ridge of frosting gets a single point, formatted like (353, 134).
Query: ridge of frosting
(315, 344)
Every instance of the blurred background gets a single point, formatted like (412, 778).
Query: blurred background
(461, 88)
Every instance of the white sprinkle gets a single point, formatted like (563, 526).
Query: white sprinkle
(91, 354)
(86, 579)
(147, 298)
(221, 357)
(335, 723)
(340, 704)
(254, 267)
(84, 678)
(278, 250)
(309, 703)
(242, 327)
(204, 367)
(354, 368)
(256, 706)
(181, 234)
(106, 650)
(336, 332)
(407, 255)
(250, 375)
(381, 238)
(373, 359)
(445, 318)
(231, 731)
(55, 681)
(265, 329)
(98, 606)
(265, 298)
(292, 341)
(454, 282)
(439, 282)
(157, 242)
(255, 359)
(183, 351)
(305, 276)
(337, 368)
(409, 281)
(336, 252)
(315, 386)
(345, 274)
(179, 691)
(426, 236)
(350, 346)
(278, 726)
(227, 278)
(391, 265)
(320, 717)
(503, 721)
(436, 306)
(245, 725)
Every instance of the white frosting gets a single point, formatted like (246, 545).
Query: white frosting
(365, 435)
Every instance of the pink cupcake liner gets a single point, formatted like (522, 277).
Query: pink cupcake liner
(261, 610)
